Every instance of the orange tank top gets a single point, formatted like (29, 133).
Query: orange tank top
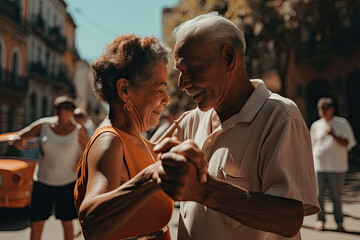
(156, 212)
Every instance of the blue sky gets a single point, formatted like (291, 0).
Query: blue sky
(99, 21)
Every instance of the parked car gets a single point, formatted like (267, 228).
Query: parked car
(16, 175)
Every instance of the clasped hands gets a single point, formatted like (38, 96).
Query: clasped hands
(182, 168)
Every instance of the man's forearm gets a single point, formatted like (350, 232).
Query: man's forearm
(342, 141)
(257, 210)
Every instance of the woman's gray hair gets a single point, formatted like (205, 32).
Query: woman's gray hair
(211, 27)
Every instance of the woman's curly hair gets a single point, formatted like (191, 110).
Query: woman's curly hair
(127, 56)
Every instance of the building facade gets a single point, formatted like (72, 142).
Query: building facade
(13, 55)
(84, 94)
(38, 61)
(51, 56)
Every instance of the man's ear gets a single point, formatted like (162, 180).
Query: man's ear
(122, 86)
(230, 57)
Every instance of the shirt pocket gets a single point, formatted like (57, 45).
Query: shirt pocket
(243, 182)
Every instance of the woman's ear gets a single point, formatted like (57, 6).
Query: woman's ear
(230, 57)
(122, 86)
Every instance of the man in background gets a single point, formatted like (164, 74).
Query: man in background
(332, 137)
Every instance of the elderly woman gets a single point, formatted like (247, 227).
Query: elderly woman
(117, 193)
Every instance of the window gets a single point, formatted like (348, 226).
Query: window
(39, 54)
(44, 107)
(40, 7)
(14, 68)
(33, 103)
(11, 119)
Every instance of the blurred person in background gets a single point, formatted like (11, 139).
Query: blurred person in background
(118, 194)
(81, 116)
(61, 143)
(332, 137)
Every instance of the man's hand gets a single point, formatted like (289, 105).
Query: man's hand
(189, 150)
(331, 131)
(179, 177)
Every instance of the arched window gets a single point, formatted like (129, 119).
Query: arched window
(353, 101)
(33, 104)
(11, 119)
(14, 68)
(44, 107)
(32, 51)
(315, 89)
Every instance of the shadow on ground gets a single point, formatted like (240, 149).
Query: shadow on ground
(333, 230)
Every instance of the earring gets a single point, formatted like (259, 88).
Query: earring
(126, 107)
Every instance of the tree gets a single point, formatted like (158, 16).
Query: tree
(313, 31)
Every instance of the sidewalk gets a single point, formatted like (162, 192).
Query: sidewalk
(351, 211)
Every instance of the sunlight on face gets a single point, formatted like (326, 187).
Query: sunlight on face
(150, 99)
(201, 72)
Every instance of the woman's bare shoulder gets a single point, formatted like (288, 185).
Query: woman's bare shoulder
(106, 161)
(106, 143)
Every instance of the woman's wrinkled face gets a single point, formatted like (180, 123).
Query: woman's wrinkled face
(150, 98)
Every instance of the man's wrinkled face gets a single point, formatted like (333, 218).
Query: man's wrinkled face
(202, 72)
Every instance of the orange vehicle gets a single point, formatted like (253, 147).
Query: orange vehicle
(16, 176)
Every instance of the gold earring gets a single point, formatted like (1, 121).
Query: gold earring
(126, 107)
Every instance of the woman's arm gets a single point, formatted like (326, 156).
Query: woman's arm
(111, 198)
(28, 133)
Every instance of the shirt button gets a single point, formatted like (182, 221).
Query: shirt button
(184, 214)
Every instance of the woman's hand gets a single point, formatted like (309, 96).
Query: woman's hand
(189, 150)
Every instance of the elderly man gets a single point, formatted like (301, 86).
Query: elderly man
(261, 180)
(332, 137)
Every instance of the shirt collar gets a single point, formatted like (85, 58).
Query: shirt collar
(255, 102)
(251, 107)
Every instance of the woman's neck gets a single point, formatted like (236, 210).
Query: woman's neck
(120, 119)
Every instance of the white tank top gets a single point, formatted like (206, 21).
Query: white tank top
(59, 157)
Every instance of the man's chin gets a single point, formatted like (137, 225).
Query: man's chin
(203, 107)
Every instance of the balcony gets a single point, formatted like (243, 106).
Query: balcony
(37, 69)
(13, 82)
(51, 35)
(37, 22)
(54, 33)
(10, 9)
(62, 78)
